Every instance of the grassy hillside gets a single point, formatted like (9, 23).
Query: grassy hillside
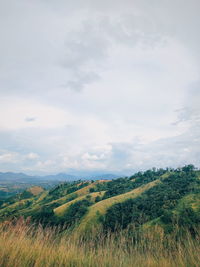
(149, 219)
(92, 196)
(77, 193)
(35, 190)
(162, 197)
(93, 217)
(174, 201)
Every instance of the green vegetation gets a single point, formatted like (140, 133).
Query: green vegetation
(164, 197)
(158, 202)
(96, 196)
(149, 219)
(95, 216)
(10, 186)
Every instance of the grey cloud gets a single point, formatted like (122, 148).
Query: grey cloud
(171, 152)
(191, 112)
(87, 50)
(85, 53)
(146, 27)
(81, 80)
(30, 119)
(87, 47)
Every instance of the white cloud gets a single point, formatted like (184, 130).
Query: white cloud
(17, 110)
(8, 157)
(32, 156)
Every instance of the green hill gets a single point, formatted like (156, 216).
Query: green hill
(92, 219)
(164, 197)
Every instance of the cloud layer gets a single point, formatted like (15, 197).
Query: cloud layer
(99, 85)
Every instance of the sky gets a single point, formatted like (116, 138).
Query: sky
(99, 85)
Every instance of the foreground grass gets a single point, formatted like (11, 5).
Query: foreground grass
(22, 245)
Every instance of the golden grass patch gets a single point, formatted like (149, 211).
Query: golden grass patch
(35, 190)
(61, 209)
(81, 192)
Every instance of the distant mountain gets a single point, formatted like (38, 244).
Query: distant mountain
(59, 177)
(15, 177)
(94, 174)
(13, 183)
(106, 176)
(10, 177)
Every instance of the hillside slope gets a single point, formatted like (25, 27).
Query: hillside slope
(92, 218)
(163, 197)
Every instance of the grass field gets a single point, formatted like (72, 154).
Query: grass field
(21, 245)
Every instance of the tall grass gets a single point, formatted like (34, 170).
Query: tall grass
(25, 245)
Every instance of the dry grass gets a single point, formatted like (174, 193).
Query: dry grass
(21, 245)
(42, 196)
(35, 190)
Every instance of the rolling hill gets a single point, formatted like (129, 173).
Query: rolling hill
(163, 197)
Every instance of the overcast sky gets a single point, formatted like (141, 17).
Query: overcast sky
(99, 85)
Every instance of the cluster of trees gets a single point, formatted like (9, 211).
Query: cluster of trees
(10, 212)
(71, 217)
(75, 212)
(13, 199)
(5, 194)
(123, 185)
(186, 218)
(157, 202)
(64, 189)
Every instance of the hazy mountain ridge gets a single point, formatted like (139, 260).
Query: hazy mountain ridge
(22, 177)
(12, 183)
